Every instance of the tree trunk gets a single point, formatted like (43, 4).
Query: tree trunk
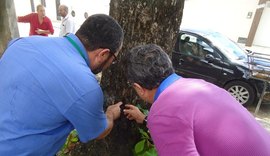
(8, 23)
(143, 21)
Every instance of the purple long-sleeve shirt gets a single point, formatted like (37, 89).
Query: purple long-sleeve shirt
(193, 117)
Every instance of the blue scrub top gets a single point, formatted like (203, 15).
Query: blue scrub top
(47, 90)
(166, 83)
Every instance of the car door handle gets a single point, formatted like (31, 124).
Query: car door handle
(181, 61)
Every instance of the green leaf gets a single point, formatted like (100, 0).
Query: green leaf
(139, 146)
(139, 106)
(144, 134)
(145, 111)
(152, 152)
(74, 139)
(74, 133)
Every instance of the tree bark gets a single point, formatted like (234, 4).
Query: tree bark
(144, 22)
(8, 23)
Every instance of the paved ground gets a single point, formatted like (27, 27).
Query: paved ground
(263, 115)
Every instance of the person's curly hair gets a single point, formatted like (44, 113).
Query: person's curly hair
(148, 65)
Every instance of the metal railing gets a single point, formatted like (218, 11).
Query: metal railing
(261, 72)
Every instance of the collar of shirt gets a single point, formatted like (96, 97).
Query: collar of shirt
(79, 43)
(166, 83)
(66, 18)
(46, 19)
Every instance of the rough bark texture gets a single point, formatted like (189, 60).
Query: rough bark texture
(8, 23)
(143, 21)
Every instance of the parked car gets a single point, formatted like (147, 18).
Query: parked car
(215, 58)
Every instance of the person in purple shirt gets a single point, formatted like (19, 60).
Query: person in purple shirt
(190, 116)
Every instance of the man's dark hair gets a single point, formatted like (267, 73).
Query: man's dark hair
(101, 31)
(148, 65)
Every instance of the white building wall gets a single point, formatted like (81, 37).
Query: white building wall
(262, 37)
(51, 9)
(226, 16)
(23, 8)
(86, 6)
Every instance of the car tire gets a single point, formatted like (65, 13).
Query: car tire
(242, 91)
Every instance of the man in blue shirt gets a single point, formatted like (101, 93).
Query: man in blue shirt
(48, 88)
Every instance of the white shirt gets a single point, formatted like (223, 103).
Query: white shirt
(67, 26)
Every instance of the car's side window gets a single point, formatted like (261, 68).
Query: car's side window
(193, 46)
(204, 48)
(189, 46)
(207, 49)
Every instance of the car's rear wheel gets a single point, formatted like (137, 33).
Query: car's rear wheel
(242, 91)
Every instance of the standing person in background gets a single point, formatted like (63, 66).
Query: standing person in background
(67, 24)
(39, 23)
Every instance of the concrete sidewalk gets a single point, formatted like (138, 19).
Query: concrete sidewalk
(265, 122)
